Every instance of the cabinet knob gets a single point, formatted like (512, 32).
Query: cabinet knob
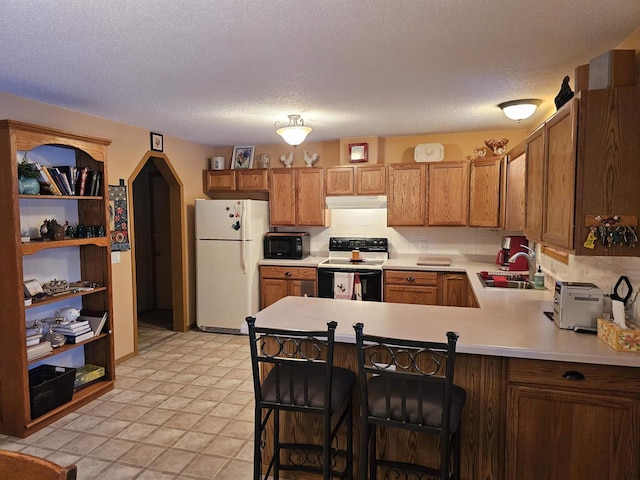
(573, 375)
(411, 279)
(287, 274)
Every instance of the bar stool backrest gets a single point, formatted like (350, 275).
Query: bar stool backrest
(293, 353)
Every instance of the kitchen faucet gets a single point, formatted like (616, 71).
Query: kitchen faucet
(530, 255)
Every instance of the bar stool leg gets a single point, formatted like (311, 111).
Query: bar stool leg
(349, 465)
(257, 433)
(326, 448)
(372, 453)
(456, 455)
(276, 444)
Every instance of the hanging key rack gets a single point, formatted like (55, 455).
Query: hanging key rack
(612, 231)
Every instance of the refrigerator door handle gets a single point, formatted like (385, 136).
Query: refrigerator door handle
(243, 238)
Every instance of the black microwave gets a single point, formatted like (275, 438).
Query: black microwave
(287, 245)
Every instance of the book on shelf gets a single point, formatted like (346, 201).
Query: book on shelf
(93, 183)
(40, 350)
(33, 339)
(96, 319)
(62, 180)
(72, 326)
(68, 173)
(87, 374)
(43, 179)
(82, 180)
(52, 184)
(79, 338)
(72, 333)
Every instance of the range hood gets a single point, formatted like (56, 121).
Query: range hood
(356, 201)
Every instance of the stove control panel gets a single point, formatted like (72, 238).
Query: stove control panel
(346, 244)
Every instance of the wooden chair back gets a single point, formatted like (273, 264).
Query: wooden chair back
(21, 466)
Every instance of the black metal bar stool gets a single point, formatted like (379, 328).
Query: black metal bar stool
(300, 377)
(408, 384)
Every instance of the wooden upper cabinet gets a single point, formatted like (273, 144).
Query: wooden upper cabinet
(219, 180)
(484, 193)
(356, 180)
(252, 180)
(296, 197)
(371, 180)
(514, 197)
(340, 181)
(559, 194)
(534, 184)
(310, 207)
(282, 196)
(448, 193)
(407, 195)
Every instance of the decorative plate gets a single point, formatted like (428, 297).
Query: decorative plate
(429, 152)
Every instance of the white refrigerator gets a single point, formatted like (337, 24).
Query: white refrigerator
(229, 237)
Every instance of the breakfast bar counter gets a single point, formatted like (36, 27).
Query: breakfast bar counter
(536, 395)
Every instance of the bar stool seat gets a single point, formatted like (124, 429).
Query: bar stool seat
(299, 376)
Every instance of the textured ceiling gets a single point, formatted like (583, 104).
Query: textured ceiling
(221, 72)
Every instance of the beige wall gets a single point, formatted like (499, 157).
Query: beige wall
(129, 145)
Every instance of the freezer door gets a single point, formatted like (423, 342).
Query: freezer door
(231, 219)
(225, 295)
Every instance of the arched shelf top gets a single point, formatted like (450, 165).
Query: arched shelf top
(33, 136)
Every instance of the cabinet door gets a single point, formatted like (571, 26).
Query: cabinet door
(310, 197)
(453, 287)
(515, 194)
(534, 184)
(371, 180)
(340, 180)
(559, 198)
(252, 180)
(484, 193)
(407, 202)
(219, 180)
(448, 193)
(562, 435)
(272, 290)
(282, 196)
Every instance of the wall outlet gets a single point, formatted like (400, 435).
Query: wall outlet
(115, 257)
(423, 245)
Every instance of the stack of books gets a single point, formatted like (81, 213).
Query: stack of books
(69, 180)
(34, 339)
(96, 319)
(39, 350)
(76, 332)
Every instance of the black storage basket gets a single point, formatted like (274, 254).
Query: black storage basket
(50, 387)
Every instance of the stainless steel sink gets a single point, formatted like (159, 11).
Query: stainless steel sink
(513, 281)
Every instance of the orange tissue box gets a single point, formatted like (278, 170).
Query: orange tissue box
(617, 338)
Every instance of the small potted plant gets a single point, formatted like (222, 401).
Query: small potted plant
(28, 178)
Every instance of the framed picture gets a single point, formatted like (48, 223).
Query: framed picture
(242, 157)
(156, 142)
(358, 152)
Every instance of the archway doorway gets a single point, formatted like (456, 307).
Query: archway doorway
(157, 226)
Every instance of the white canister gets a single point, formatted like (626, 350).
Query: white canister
(216, 163)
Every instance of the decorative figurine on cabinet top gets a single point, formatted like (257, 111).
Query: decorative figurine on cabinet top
(287, 160)
(565, 94)
(498, 146)
(310, 160)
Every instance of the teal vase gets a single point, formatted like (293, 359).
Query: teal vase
(30, 186)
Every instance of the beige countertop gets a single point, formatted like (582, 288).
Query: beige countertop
(311, 261)
(509, 323)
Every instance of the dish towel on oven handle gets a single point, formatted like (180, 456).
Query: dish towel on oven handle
(357, 287)
(343, 285)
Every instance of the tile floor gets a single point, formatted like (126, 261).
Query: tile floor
(182, 409)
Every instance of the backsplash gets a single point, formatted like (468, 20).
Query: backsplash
(603, 271)
(404, 240)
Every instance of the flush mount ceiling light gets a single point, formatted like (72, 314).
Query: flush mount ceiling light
(520, 109)
(294, 133)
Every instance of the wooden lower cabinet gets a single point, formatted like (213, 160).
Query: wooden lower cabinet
(280, 282)
(428, 288)
(572, 421)
(405, 286)
(521, 421)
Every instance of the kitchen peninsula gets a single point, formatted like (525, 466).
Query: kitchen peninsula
(541, 402)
